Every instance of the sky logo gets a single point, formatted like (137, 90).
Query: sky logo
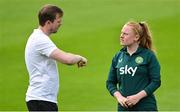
(126, 70)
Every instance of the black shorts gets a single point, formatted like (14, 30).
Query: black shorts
(39, 105)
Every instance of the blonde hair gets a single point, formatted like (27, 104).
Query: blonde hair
(142, 29)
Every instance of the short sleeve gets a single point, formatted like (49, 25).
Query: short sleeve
(45, 46)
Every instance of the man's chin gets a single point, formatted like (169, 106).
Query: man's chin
(54, 32)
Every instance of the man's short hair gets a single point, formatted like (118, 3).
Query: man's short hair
(49, 12)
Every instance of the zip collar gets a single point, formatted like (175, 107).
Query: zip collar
(139, 50)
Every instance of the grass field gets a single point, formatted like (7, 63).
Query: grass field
(90, 28)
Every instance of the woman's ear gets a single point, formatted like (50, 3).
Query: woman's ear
(137, 37)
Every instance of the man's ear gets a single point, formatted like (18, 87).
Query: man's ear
(48, 22)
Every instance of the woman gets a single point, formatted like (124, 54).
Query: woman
(135, 71)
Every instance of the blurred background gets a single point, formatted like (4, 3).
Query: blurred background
(90, 28)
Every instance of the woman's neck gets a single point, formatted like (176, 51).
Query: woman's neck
(132, 48)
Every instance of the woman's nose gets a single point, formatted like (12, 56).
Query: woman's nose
(121, 36)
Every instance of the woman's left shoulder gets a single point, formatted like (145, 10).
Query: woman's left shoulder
(149, 52)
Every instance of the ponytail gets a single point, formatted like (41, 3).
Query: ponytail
(145, 39)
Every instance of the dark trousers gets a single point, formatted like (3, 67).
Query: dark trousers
(38, 105)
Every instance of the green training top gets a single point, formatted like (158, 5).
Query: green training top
(131, 74)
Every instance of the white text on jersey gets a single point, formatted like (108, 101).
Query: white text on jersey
(126, 70)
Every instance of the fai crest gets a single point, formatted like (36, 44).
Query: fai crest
(139, 60)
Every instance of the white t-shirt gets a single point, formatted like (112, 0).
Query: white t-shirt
(43, 71)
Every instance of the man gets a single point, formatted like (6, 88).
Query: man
(40, 57)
